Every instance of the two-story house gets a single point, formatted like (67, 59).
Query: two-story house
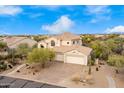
(68, 48)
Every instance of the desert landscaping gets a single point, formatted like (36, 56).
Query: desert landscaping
(39, 64)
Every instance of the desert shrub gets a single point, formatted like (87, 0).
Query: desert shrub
(34, 46)
(116, 61)
(41, 55)
(76, 79)
(23, 49)
(3, 45)
(91, 62)
(3, 66)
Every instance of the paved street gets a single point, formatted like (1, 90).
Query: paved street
(9, 82)
(111, 82)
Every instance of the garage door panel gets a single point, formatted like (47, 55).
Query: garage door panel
(75, 60)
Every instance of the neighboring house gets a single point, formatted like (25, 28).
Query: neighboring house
(13, 42)
(99, 35)
(68, 48)
(1, 39)
(121, 36)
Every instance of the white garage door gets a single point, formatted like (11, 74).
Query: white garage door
(75, 60)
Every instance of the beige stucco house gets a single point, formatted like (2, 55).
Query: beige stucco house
(68, 48)
(14, 41)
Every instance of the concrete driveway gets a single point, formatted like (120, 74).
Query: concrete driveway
(59, 72)
(55, 73)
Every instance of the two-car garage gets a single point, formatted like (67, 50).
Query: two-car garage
(73, 54)
(73, 57)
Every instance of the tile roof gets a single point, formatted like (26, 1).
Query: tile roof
(67, 36)
(82, 49)
(13, 42)
(121, 36)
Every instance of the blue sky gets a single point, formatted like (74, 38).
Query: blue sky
(48, 19)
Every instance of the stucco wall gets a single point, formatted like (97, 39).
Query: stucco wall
(66, 43)
(47, 43)
(59, 57)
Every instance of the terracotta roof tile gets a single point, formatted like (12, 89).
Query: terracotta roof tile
(82, 49)
(67, 36)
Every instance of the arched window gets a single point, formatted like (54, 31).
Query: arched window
(52, 43)
(41, 46)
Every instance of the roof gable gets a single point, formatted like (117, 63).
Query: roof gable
(67, 36)
(64, 49)
(75, 52)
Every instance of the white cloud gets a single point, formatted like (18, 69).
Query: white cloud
(98, 12)
(10, 10)
(116, 29)
(99, 18)
(60, 25)
(49, 7)
(97, 9)
(4, 33)
(54, 7)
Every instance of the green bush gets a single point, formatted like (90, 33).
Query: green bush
(23, 49)
(116, 60)
(3, 66)
(3, 45)
(91, 62)
(41, 55)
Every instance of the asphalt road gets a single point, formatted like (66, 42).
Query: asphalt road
(9, 82)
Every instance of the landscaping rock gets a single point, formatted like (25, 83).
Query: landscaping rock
(97, 69)
(18, 71)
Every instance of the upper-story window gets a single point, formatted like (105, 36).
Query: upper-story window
(77, 42)
(73, 42)
(52, 43)
(67, 42)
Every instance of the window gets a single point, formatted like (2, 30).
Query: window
(73, 42)
(67, 42)
(52, 43)
(77, 42)
(41, 46)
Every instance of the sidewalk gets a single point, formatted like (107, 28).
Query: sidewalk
(18, 68)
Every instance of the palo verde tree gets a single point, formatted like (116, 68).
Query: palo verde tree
(41, 55)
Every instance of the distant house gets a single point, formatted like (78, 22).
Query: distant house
(1, 39)
(121, 36)
(13, 41)
(99, 36)
(68, 48)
